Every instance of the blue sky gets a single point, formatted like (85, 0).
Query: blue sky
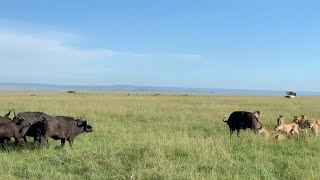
(272, 45)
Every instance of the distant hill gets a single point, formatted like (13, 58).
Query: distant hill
(35, 87)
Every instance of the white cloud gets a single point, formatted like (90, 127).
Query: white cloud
(53, 57)
(18, 46)
(56, 46)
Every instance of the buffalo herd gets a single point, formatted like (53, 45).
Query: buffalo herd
(41, 127)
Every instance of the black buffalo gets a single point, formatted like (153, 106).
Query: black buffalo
(10, 129)
(32, 119)
(243, 120)
(63, 128)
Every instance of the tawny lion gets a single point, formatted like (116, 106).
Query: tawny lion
(288, 128)
(280, 120)
(315, 128)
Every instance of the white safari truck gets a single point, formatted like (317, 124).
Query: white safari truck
(291, 94)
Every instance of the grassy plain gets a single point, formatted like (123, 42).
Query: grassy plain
(164, 137)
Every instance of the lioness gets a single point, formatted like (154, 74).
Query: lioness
(287, 128)
(280, 120)
(295, 119)
(315, 127)
(257, 114)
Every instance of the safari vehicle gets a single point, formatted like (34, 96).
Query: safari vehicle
(290, 94)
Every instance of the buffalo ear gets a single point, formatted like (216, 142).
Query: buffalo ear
(42, 119)
(80, 123)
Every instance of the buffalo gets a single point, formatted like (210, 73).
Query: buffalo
(243, 120)
(10, 129)
(62, 128)
(32, 118)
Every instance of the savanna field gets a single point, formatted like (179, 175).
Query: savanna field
(142, 136)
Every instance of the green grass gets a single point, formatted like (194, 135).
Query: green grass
(164, 137)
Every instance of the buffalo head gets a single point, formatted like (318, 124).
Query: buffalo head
(87, 127)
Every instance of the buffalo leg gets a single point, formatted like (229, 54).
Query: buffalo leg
(17, 141)
(2, 143)
(25, 139)
(6, 139)
(35, 138)
(38, 136)
(45, 141)
(238, 131)
(23, 134)
(231, 131)
(63, 141)
(71, 142)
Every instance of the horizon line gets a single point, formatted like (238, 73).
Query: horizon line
(154, 86)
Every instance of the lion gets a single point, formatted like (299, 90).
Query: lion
(280, 120)
(296, 119)
(288, 128)
(257, 114)
(315, 127)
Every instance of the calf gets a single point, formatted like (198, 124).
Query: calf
(243, 120)
(63, 128)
